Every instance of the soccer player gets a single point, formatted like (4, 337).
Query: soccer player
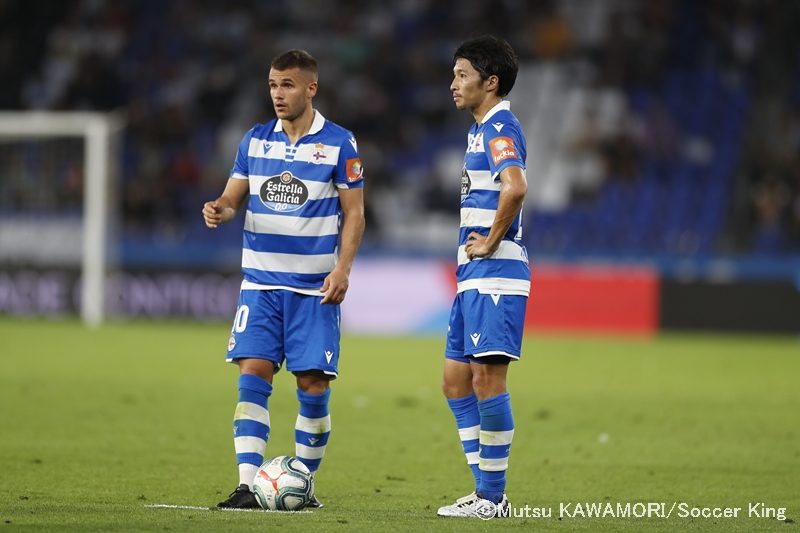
(300, 173)
(488, 313)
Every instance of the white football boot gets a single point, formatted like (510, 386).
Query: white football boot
(471, 506)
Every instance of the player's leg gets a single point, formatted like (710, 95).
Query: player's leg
(497, 324)
(496, 426)
(312, 354)
(313, 426)
(457, 388)
(256, 346)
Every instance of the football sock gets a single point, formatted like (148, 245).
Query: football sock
(313, 428)
(468, 421)
(251, 426)
(497, 431)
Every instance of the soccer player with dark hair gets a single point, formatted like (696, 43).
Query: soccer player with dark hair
(303, 181)
(493, 275)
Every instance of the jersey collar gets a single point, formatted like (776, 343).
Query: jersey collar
(501, 106)
(316, 125)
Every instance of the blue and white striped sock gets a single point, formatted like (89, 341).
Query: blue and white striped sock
(251, 426)
(468, 420)
(497, 431)
(312, 429)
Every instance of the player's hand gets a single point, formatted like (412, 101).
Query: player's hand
(212, 214)
(335, 287)
(477, 246)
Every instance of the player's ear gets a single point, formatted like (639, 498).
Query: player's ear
(312, 89)
(492, 83)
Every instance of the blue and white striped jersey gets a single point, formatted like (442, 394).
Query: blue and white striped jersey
(291, 228)
(493, 145)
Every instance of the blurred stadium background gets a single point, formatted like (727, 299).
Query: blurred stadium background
(663, 166)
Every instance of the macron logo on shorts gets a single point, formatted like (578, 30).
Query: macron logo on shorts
(475, 338)
(328, 355)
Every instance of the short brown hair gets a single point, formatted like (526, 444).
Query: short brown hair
(295, 59)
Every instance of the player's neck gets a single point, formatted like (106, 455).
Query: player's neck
(294, 129)
(488, 103)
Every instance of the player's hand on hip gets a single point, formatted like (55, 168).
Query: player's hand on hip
(335, 287)
(477, 246)
(212, 214)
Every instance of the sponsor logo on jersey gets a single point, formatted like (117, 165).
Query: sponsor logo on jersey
(354, 169)
(466, 183)
(284, 193)
(498, 125)
(502, 148)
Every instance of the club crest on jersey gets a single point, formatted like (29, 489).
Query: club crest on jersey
(502, 148)
(466, 183)
(319, 153)
(284, 193)
(231, 342)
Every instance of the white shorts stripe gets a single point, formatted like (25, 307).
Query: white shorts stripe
(495, 352)
(307, 452)
(313, 425)
(493, 465)
(292, 226)
(496, 438)
(506, 250)
(473, 458)
(251, 411)
(474, 217)
(296, 263)
(470, 433)
(249, 445)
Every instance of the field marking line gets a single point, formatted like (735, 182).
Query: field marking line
(198, 508)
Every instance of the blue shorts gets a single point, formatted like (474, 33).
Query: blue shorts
(484, 325)
(280, 325)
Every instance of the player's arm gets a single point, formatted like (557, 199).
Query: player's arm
(337, 282)
(224, 208)
(513, 187)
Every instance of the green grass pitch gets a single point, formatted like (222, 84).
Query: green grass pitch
(97, 425)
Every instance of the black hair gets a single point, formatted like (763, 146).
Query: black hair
(491, 56)
(295, 59)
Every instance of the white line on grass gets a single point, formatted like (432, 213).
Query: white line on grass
(198, 508)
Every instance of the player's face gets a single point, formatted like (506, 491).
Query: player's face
(291, 91)
(468, 88)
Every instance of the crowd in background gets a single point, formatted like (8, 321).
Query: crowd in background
(190, 77)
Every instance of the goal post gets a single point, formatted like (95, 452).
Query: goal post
(97, 131)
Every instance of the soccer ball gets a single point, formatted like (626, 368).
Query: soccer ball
(283, 484)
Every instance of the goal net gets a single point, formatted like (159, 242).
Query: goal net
(57, 171)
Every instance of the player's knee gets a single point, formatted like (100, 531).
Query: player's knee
(313, 382)
(487, 385)
(456, 388)
(260, 367)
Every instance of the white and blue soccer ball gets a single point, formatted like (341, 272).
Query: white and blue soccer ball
(283, 483)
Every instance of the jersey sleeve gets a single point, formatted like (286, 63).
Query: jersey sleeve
(349, 171)
(503, 144)
(241, 168)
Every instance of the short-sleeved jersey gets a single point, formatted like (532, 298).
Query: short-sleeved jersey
(492, 146)
(291, 228)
